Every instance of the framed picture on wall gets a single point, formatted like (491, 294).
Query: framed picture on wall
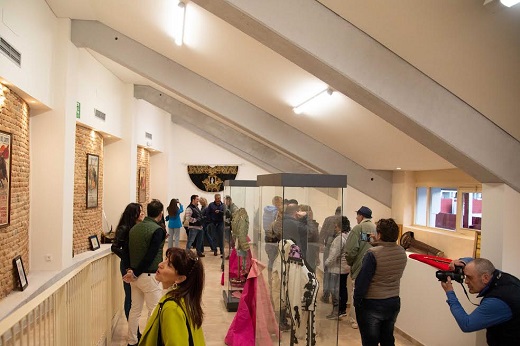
(20, 272)
(142, 185)
(94, 242)
(92, 180)
(5, 178)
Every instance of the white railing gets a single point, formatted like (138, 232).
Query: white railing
(80, 309)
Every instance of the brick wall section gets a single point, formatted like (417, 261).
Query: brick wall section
(86, 222)
(14, 238)
(143, 160)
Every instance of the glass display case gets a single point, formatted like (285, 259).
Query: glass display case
(240, 212)
(300, 216)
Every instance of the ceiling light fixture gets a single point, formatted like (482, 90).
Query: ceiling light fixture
(180, 15)
(319, 97)
(509, 3)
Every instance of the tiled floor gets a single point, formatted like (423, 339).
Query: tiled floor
(217, 319)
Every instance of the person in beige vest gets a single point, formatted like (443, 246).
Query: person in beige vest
(376, 293)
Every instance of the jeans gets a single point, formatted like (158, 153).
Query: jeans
(174, 235)
(128, 292)
(215, 230)
(326, 274)
(144, 289)
(376, 319)
(338, 289)
(195, 236)
(209, 234)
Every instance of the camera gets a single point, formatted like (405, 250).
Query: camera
(457, 274)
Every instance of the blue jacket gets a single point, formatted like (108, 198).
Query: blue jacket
(175, 222)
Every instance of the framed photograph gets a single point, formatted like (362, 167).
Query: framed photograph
(142, 185)
(5, 178)
(20, 272)
(92, 180)
(94, 242)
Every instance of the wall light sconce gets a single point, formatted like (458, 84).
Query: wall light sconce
(322, 96)
(180, 16)
(2, 95)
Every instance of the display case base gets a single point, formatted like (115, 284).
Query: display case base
(230, 302)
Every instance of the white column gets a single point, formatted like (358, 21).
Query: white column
(500, 230)
(52, 164)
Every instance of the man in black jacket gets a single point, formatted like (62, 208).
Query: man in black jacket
(195, 230)
(499, 310)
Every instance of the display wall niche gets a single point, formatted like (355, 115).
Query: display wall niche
(142, 192)
(14, 235)
(88, 188)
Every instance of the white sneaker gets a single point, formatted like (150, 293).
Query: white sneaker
(353, 323)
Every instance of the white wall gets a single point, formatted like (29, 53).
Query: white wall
(30, 27)
(354, 199)
(151, 119)
(52, 138)
(187, 148)
(99, 89)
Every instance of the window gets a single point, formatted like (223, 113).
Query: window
(440, 207)
(443, 208)
(471, 210)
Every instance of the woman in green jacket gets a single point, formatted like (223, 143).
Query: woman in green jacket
(177, 319)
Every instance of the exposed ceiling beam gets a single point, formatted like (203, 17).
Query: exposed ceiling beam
(226, 105)
(221, 134)
(324, 44)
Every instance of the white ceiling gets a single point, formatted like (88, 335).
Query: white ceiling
(460, 44)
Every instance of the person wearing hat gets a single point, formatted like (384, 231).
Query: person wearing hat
(358, 242)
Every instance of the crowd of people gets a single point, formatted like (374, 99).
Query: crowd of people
(146, 273)
(368, 253)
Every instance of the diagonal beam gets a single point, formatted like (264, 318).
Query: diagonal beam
(324, 44)
(228, 106)
(235, 141)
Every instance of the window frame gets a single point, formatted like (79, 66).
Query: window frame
(458, 217)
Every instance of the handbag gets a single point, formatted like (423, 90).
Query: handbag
(159, 336)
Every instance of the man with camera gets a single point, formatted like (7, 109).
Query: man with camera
(499, 309)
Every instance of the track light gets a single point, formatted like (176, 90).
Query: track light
(509, 3)
(180, 15)
(318, 98)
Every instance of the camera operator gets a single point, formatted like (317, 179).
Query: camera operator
(499, 310)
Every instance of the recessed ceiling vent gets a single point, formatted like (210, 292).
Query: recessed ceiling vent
(10, 52)
(148, 135)
(99, 114)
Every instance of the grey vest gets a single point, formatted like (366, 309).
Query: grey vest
(391, 260)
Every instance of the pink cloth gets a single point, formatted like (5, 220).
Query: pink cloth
(233, 263)
(255, 295)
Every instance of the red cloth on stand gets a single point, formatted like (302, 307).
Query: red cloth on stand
(243, 329)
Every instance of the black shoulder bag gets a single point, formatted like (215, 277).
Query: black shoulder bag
(159, 336)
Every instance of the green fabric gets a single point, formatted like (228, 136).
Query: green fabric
(173, 327)
(356, 248)
(139, 242)
(240, 228)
